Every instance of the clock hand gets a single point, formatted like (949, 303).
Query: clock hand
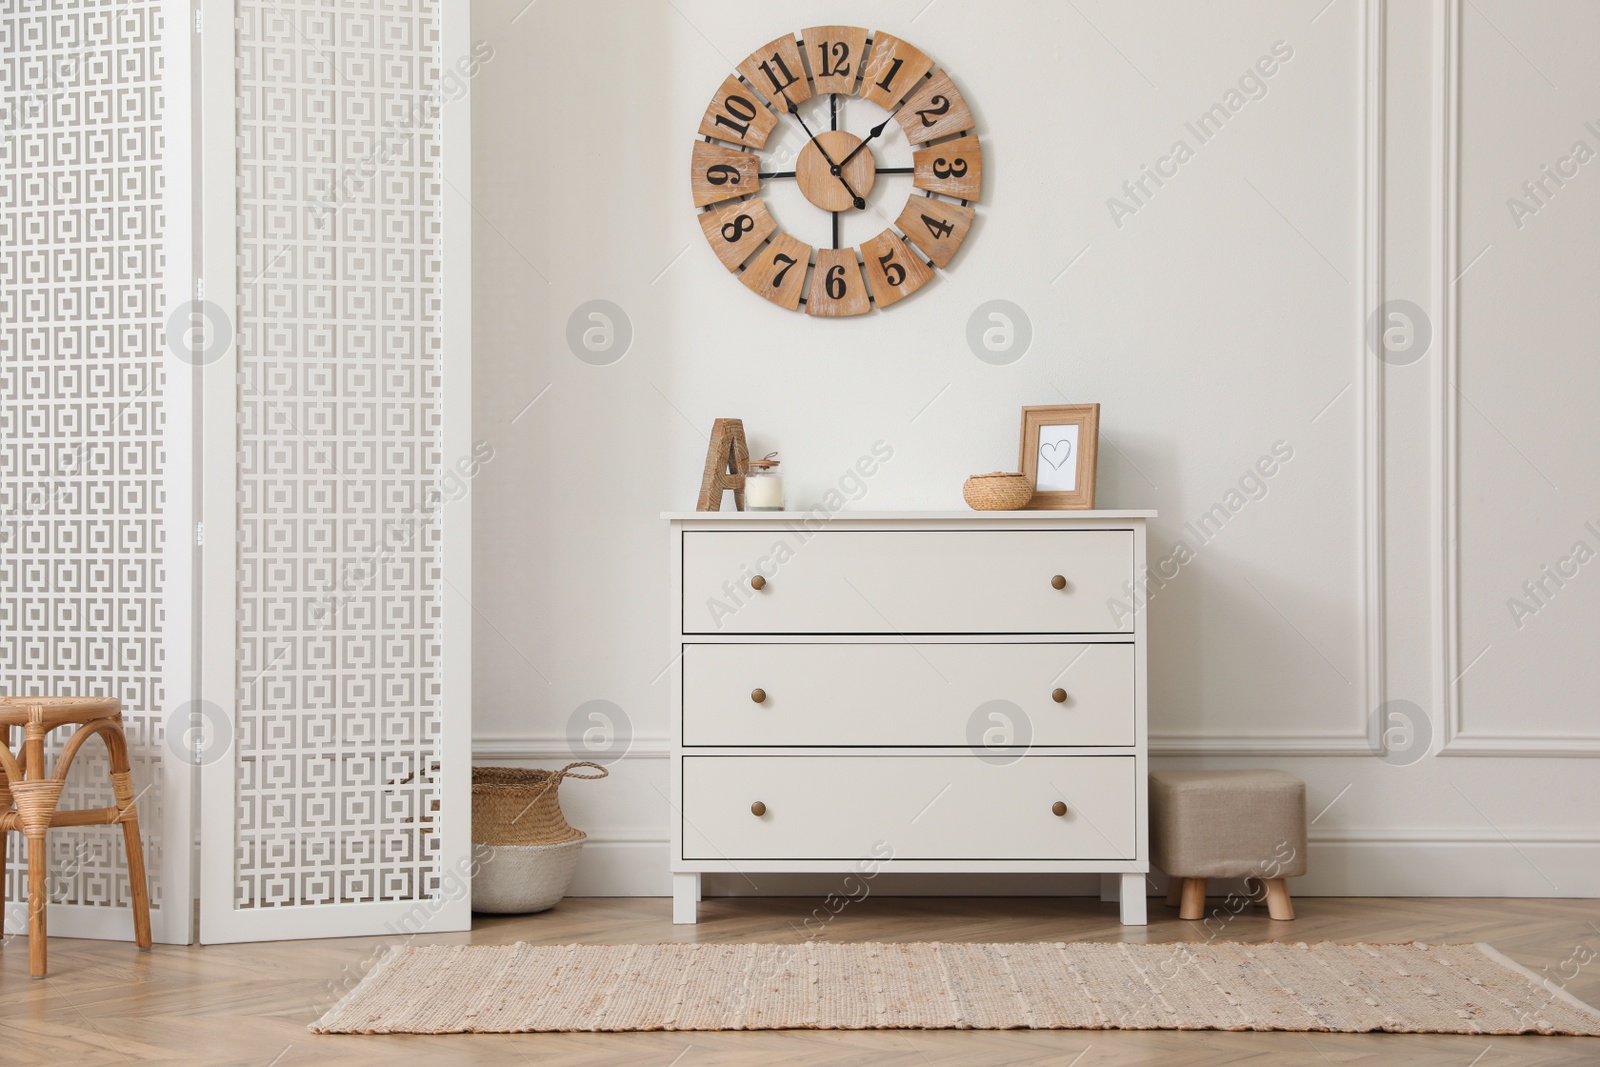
(860, 203)
(801, 119)
(876, 132)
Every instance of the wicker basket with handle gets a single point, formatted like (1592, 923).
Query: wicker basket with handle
(532, 849)
(513, 806)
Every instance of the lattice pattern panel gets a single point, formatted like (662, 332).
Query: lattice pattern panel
(81, 387)
(339, 451)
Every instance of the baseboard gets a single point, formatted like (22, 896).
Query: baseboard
(1371, 864)
(1456, 864)
(621, 868)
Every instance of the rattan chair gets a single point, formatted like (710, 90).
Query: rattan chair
(28, 799)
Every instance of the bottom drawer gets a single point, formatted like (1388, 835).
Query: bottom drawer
(923, 807)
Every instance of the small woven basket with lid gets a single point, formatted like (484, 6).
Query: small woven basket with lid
(997, 491)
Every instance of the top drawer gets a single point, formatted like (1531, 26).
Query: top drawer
(906, 581)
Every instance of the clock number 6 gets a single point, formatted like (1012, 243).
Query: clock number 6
(787, 261)
(943, 168)
(737, 228)
(722, 174)
(894, 272)
(836, 284)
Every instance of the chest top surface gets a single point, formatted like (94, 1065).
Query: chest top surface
(1038, 516)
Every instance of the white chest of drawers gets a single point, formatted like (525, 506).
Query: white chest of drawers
(925, 691)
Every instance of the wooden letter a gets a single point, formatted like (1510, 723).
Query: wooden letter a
(727, 462)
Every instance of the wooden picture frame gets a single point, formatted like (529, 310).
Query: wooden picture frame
(1060, 443)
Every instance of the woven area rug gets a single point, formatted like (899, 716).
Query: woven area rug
(501, 989)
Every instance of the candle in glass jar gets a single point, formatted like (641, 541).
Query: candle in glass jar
(763, 486)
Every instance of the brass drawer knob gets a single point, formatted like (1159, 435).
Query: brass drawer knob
(1058, 808)
(1058, 582)
(1059, 696)
(758, 695)
(759, 582)
(759, 809)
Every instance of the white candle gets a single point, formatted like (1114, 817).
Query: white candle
(763, 492)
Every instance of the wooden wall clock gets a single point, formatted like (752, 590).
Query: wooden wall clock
(836, 169)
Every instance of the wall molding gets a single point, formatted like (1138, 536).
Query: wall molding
(544, 747)
(1370, 383)
(1500, 745)
(547, 748)
(1373, 611)
(558, 747)
(1263, 745)
(1447, 836)
(630, 836)
(1359, 862)
(550, 747)
(1581, 837)
(1459, 740)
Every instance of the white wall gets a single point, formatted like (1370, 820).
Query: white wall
(1224, 316)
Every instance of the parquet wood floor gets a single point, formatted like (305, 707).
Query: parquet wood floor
(248, 1005)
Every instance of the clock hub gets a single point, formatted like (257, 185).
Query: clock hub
(816, 176)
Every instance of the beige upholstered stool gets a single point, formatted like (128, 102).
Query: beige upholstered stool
(28, 799)
(1227, 824)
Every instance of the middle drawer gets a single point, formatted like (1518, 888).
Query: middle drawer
(899, 694)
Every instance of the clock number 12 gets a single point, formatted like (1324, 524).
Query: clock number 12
(841, 59)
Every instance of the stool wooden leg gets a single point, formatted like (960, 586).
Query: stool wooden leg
(122, 784)
(38, 861)
(36, 804)
(1279, 906)
(36, 800)
(1193, 904)
(141, 888)
(5, 835)
(1174, 891)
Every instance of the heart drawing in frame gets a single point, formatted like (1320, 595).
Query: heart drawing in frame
(1055, 453)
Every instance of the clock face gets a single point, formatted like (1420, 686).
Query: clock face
(837, 132)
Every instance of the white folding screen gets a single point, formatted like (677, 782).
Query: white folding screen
(96, 556)
(307, 408)
(337, 638)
